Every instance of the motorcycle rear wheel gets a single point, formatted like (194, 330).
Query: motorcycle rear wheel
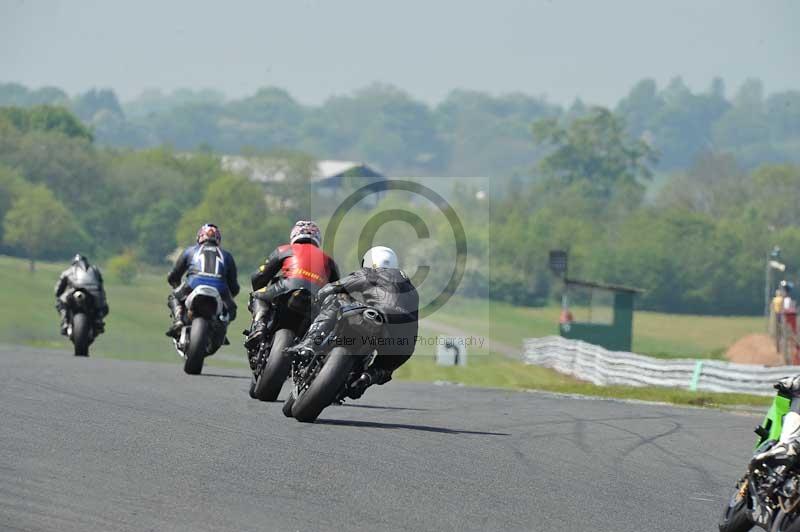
(330, 379)
(80, 334)
(198, 345)
(279, 363)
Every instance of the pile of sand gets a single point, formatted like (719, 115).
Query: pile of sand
(755, 349)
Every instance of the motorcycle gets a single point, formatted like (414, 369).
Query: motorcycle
(204, 329)
(323, 378)
(289, 319)
(767, 496)
(80, 321)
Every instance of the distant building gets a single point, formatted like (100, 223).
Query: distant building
(330, 175)
(327, 176)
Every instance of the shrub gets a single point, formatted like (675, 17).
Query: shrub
(123, 267)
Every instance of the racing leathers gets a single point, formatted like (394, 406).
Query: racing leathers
(386, 289)
(289, 267)
(787, 450)
(81, 275)
(203, 264)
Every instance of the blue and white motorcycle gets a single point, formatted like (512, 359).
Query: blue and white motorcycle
(204, 329)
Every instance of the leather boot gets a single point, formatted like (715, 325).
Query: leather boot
(371, 376)
(64, 324)
(177, 316)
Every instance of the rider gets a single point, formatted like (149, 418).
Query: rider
(787, 449)
(86, 276)
(205, 263)
(299, 264)
(381, 284)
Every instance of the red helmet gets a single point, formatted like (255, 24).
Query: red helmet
(209, 233)
(306, 231)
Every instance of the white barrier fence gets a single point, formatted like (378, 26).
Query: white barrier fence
(602, 367)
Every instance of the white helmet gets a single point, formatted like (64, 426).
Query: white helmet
(380, 257)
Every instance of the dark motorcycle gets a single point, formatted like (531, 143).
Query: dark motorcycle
(80, 321)
(767, 496)
(290, 316)
(323, 378)
(205, 326)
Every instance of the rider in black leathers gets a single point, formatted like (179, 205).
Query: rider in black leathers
(382, 285)
(86, 276)
(205, 263)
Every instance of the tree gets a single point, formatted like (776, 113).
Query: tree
(487, 135)
(682, 128)
(775, 193)
(92, 102)
(72, 169)
(155, 230)
(11, 184)
(640, 107)
(783, 115)
(114, 130)
(269, 119)
(250, 231)
(14, 94)
(595, 150)
(188, 126)
(384, 125)
(45, 118)
(153, 101)
(715, 184)
(122, 267)
(40, 225)
(293, 194)
(746, 122)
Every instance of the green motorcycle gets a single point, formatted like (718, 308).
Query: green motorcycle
(766, 496)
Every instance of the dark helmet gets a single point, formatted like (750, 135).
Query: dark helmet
(306, 231)
(210, 234)
(79, 259)
(786, 286)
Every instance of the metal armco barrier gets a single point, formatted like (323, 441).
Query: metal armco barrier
(597, 365)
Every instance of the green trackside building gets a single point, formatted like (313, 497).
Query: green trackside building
(610, 314)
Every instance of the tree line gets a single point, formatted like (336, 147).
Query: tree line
(695, 240)
(468, 133)
(61, 193)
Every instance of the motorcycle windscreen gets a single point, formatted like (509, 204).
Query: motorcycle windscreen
(770, 428)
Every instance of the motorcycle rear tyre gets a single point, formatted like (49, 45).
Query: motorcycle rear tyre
(330, 379)
(198, 346)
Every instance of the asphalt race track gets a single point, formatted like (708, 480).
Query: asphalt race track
(106, 445)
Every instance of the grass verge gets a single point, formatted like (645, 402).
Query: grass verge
(498, 372)
(654, 333)
(139, 317)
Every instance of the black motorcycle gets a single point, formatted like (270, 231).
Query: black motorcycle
(768, 495)
(80, 321)
(323, 378)
(289, 318)
(204, 329)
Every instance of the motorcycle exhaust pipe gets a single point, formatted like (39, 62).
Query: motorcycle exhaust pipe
(373, 316)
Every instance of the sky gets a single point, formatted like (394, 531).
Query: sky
(561, 49)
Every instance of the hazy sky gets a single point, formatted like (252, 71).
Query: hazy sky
(314, 48)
